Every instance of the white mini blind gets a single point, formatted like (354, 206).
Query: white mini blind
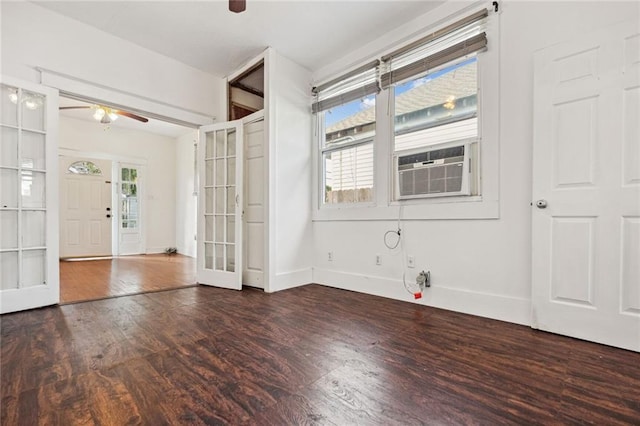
(461, 38)
(356, 84)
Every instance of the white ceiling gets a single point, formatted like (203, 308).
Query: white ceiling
(205, 35)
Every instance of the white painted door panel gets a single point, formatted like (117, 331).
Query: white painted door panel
(29, 274)
(254, 206)
(85, 203)
(586, 166)
(220, 164)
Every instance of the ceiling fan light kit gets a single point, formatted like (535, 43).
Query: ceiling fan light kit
(106, 115)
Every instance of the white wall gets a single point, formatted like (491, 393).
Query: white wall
(186, 202)
(36, 37)
(478, 266)
(157, 152)
(290, 165)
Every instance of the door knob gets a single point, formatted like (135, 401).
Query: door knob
(541, 204)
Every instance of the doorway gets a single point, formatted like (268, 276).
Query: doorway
(146, 200)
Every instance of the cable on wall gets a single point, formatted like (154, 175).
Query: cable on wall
(397, 232)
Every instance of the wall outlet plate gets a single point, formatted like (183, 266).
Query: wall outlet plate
(411, 261)
(330, 256)
(378, 259)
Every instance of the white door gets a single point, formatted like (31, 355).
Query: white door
(85, 207)
(29, 276)
(130, 219)
(586, 188)
(254, 201)
(220, 161)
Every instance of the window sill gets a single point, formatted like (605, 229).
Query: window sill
(467, 208)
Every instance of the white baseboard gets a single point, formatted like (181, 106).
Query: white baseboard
(155, 250)
(187, 251)
(291, 279)
(486, 305)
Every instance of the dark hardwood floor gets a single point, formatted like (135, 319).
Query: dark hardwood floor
(310, 355)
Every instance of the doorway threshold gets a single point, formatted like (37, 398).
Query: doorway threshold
(83, 259)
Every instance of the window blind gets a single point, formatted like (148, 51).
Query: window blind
(463, 37)
(356, 84)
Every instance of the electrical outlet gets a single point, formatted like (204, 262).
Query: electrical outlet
(378, 259)
(411, 261)
(330, 256)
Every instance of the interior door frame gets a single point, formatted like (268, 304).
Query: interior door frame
(213, 277)
(19, 299)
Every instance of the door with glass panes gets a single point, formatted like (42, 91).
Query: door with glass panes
(130, 225)
(220, 160)
(29, 276)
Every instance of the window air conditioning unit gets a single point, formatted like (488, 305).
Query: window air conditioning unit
(434, 171)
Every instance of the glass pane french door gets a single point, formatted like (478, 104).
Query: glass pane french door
(220, 157)
(28, 196)
(130, 218)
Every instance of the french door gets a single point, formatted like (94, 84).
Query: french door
(220, 161)
(29, 276)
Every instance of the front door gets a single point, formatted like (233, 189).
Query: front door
(586, 188)
(85, 207)
(29, 276)
(220, 162)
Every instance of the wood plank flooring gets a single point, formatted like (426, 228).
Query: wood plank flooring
(310, 355)
(98, 279)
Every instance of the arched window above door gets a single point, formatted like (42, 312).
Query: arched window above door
(84, 168)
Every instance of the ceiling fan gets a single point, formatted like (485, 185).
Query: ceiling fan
(106, 115)
(237, 6)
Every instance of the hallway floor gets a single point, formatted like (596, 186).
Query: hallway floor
(124, 275)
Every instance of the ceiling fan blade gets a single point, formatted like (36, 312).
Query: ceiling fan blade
(131, 115)
(75, 107)
(237, 6)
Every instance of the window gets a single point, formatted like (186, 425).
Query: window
(129, 198)
(84, 168)
(347, 156)
(433, 144)
(436, 133)
(346, 111)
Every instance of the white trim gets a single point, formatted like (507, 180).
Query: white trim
(66, 152)
(270, 168)
(155, 250)
(253, 117)
(503, 308)
(92, 92)
(248, 65)
(287, 280)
